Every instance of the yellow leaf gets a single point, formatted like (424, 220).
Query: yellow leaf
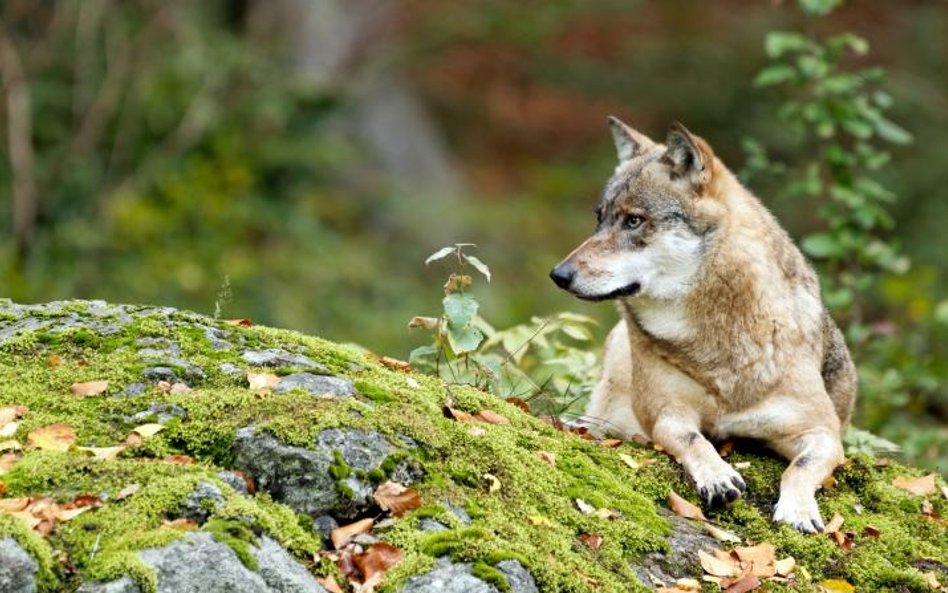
(148, 430)
(538, 521)
(262, 380)
(918, 486)
(104, 452)
(785, 567)
(627, 459)
(493, 483)
(683, 508)
(717, 566)
(55, 437)
(837, 586)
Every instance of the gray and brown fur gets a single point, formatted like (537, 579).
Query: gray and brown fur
(723, 332)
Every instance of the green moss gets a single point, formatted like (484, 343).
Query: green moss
(237, 536)
(339, 469)
(490, 575)
(33, 545)
(374, 393)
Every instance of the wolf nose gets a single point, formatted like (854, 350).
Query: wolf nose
(563, 274)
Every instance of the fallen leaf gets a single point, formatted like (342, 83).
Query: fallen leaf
(546, 456)
(239, 322)
(262, 380)
(786, 566)
(3, 487)
(163, 387)
(538, 521)
(179, 459)
(395, 364)
(14, 505)
(54, 360)
(931, 579)
(870, 531)
(180, 388)
(688, 585)
(519, 403)
(683, 508)
(148, 430)
(127, 491)
(606, 514)
(727, 447)
(8, 429)
(927, 507)
(7, 461)
(133, 440)
(392, 496)
(104, 452)
(918, 486)
(491, 417)
(377, 559)
(459, 415)
(748, 581)
(717, 566)
(181, 524)
(834, 524)
(343, 535)
(11, 446)
(411, 382)
(584, 507)
(759, 558)
(476, 431)
(610, 442)
(329, 583)
(493, 483)
(423, 322)
(10, 413)
(89, 388)
(627, 459)
(720, 534)
(837, 586)
(828, 483)
(592, 540)
(55, 437)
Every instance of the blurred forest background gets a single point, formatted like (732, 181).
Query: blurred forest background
(295, 161)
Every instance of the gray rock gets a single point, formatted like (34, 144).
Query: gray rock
(122, 585)
(280, 571)
(447, 577)
(316, 384)
(229, 368)
(518, 578)
(201, 504)
(324, 525)
(133, 389)
(427, 524)
(158, 412)
(295, 476)
(360, 449)
(234, 481)
(17, 568)
(686, 539)
(458, 512)
(217, 338)
(280, 358)
(160, 373)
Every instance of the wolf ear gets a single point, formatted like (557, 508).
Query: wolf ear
(689, 156)
(629, 142)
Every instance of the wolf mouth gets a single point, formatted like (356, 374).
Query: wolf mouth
(625, 291)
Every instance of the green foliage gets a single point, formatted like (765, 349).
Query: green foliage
(839, 114)
(546, 361)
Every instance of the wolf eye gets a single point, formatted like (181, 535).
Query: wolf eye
(632, 221)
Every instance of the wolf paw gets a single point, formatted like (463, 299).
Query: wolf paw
(720, 485)
(800, 511)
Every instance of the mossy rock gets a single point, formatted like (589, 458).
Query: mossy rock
(518, 509)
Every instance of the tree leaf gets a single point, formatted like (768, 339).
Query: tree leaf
(440, 254)
(89, 388)
(591, 540)
(836, 586)
(104, 452)
(343, 535)
(918, 486)
(377, 559)
(148, 430)
(491, 417)
(683, 508)
(717, 566)
(55, 437)
(479, 266)
(459, 308)
(262, 380)
(394, 497)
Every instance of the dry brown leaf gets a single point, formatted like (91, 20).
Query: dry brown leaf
(428, 323)
(786, 566)
(239, 322)
(104, 452)
(727, 447)
(377, 559)
(721, 534)
(870, 531)
(592, 540)
(178, 459)
(54, 360)
(717, 566)
(834, 524)
(683, 508)
(927, 507)
(918, 486)
(163, 387)
(133, 440)
(759, 558)
(491, 417)
(610, 442)
(329, 583)
(688, 585)
(392, 496)
(10, 413)
(7, 461)
(516, 401)
(395, 364)
(180, 388)
(343, 535)
(14, 505)
(55, 437)
(546, 456)
(181, 524)
(931, 579)
(10, 446)
(89, 388)
(127, 491)
(262, 380)
(828, 483)
(459, 415)
(748, 581)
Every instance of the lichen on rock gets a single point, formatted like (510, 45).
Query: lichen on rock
(495, 515)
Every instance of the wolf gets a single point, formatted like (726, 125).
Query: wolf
(723, 332)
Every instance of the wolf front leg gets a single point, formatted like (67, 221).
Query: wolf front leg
(814, 454)
(677, 431)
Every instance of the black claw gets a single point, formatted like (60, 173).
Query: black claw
(739, 483)
(732, 495)
(817, 526)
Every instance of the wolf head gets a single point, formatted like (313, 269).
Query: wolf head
(655, 216)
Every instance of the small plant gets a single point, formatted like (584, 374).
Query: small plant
(224, 296)
(538, 362)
